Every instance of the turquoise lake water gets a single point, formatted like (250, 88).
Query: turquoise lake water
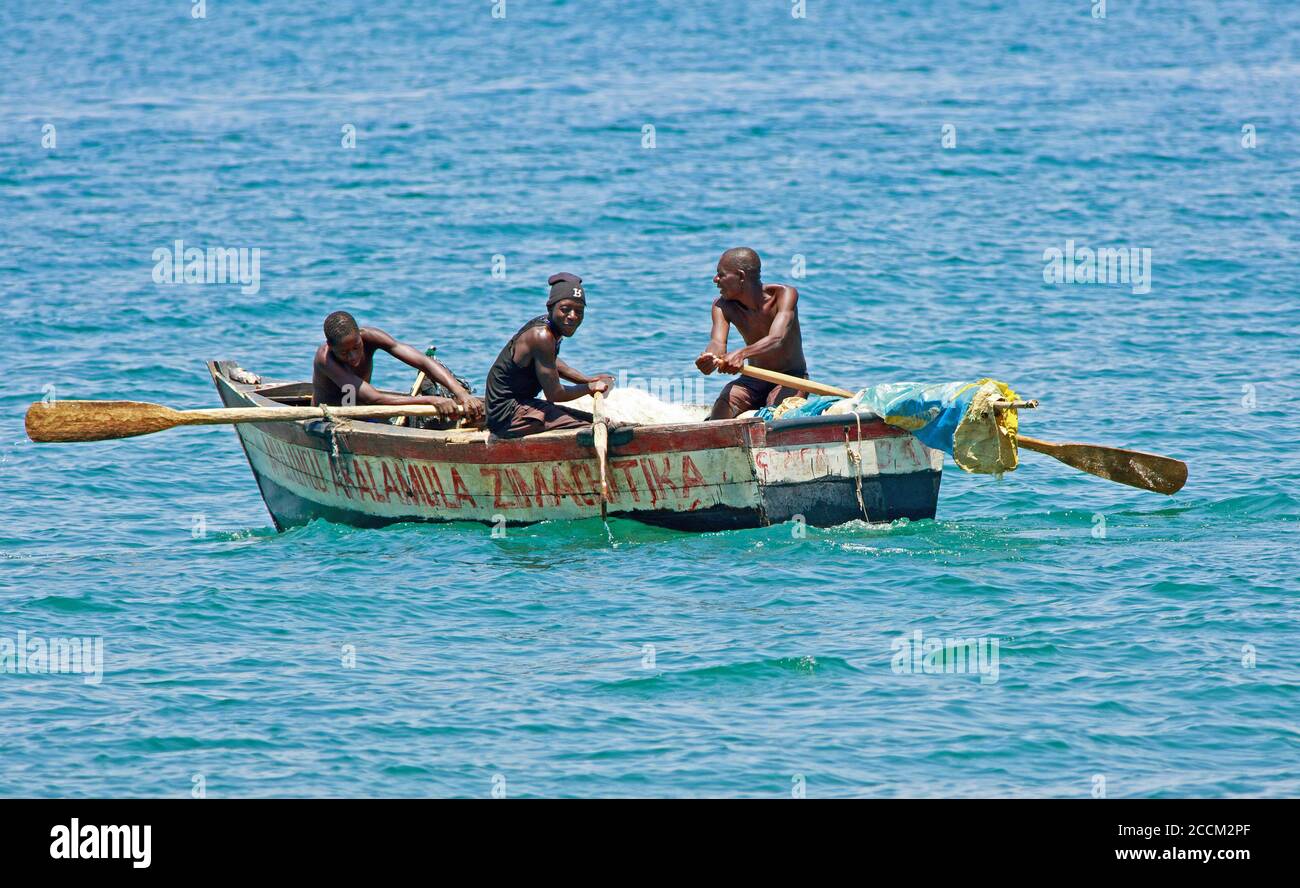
(1146, 644)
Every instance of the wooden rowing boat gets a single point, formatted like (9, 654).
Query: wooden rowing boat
(825, 470)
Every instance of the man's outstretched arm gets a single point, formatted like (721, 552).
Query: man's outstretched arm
(568, 373)
(412, 357)
(548, 374)
(364, 393)
(717, 347)
(433, 369)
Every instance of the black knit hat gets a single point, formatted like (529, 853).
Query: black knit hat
(566, 286)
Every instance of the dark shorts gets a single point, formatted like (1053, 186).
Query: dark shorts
(534, 415)
(746, 393)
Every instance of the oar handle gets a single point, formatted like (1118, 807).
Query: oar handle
(1003, 404)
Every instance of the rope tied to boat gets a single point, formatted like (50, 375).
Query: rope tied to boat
(856, 459)
(333, 421)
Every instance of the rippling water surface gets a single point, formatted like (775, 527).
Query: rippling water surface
(567, 659)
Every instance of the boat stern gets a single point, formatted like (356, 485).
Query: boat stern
(826, 470)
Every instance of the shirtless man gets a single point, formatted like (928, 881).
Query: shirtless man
(767, 316)
(530, 364)
(343, 365)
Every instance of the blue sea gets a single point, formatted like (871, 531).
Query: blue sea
(908, 165)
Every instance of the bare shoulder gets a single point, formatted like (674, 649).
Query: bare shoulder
(786, 295)
(538, 339)
(376, 338)
(322, 355)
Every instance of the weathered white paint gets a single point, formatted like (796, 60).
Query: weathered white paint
(880, 456)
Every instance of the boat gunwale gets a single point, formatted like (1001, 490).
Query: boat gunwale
(479, 447)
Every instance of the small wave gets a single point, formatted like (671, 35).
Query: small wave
(64, 604)
(735, 673)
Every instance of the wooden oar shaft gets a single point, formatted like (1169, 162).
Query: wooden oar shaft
(795, 382)
(62, 421)
(600, 437)
(224, 415)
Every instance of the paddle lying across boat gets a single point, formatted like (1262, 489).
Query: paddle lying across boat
(690, 476)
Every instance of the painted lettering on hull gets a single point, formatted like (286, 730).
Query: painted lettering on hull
(395, 487)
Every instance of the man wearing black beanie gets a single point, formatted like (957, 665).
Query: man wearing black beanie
(530, 364)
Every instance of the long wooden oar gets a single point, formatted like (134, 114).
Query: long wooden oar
(102, 420)
(1146, 471)
(600, 437)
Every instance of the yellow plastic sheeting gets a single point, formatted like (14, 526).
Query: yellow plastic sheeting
(985, 439)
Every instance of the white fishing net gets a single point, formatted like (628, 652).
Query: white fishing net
(636, 406)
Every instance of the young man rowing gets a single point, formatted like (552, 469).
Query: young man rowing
(767, 316)
(530, 364)
(344, 363)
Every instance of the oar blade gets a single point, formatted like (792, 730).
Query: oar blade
(1146, 471)
(60, 421)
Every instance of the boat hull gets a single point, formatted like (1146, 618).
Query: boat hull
(698, 477)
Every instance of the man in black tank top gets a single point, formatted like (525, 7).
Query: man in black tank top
(530, 364)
